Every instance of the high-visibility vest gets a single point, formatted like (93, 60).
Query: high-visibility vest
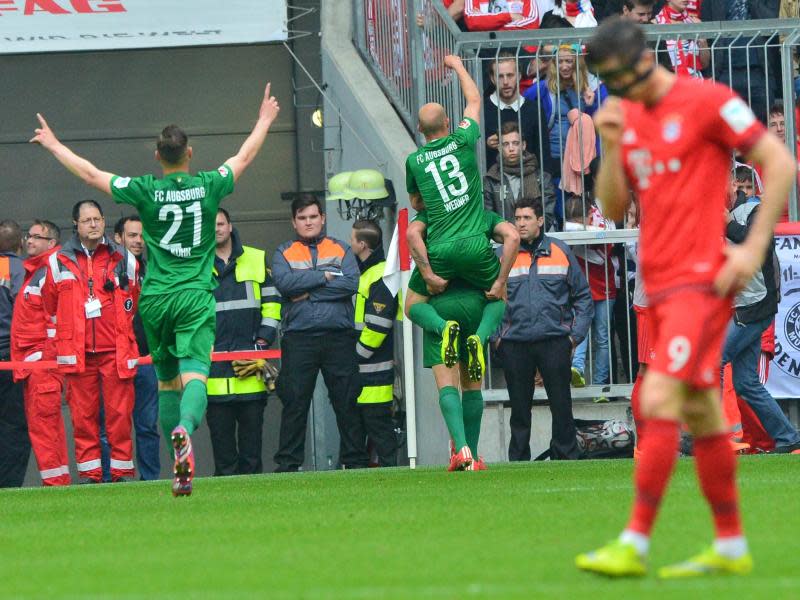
(375, 344)
(251, 271)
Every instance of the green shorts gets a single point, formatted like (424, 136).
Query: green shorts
(460, 302)
(471, 259)
(180, 329)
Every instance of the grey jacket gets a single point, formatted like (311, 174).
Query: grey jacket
(499, 197)
(298, 267)
(760, 298)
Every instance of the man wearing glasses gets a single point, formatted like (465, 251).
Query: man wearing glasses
(32, 340)
(92, 288)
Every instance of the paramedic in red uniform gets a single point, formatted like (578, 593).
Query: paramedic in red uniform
(32, 339)
(92, 289)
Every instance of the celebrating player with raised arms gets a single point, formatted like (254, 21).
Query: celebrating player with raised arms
(443, 178)
(671, 139)
(177, 306)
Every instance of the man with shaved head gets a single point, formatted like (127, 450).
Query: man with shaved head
(443, 178)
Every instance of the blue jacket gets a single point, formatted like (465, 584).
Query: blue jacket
(540, 90)
(298, 267)
(12, 274)
(548, 296)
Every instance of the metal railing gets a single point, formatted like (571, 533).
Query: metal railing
(405, 52)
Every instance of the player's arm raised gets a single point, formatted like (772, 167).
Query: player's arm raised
(611, 187)
(472, 94)
(746, 258)
(77, 165)
(266, 115)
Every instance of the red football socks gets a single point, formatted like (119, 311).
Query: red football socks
(636, 409)
(716, 470)
(659, 451)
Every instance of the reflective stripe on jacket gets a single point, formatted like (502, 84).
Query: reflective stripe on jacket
(248, 308)
(64, 295)
(548, 296)
(298, 268)
(33, 330)
(376, 312)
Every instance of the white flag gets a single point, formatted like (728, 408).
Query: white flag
(391, 274)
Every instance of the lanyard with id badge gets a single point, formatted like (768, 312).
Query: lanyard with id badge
(92, 305)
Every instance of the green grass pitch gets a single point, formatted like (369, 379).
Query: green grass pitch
(510, 532)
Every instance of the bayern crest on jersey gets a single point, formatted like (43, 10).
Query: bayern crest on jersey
(671, 130)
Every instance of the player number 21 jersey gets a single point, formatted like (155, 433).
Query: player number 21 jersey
(445, 173)
(178, 215)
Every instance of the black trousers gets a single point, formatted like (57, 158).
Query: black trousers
(236, 436)
(303, 356)
(552, 358)
(379, 427)
(15, 445)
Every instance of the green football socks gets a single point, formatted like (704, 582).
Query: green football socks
(450, 404)
(472, 406)
(193, 404)
(169, 411)
(424, 315)
(491, 320)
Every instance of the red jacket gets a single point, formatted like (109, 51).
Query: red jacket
(478, 18)
(32, 328)
(115, 284)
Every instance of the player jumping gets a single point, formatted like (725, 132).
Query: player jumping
(463, 304)
(443, 178)
(177, 306)
(672, 139)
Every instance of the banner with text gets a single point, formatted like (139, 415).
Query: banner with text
(784, 372)
(32, 26)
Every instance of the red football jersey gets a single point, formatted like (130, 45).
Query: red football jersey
(677, 155)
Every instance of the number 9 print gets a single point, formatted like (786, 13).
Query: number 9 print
(679, 351)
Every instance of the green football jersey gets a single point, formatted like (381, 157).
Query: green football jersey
(179, 214)
(445, 173)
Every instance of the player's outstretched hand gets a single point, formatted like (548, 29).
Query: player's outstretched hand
(498, 291)
(44, 135)
(609, 120)
(740, 266)
(269, 106)
(452, 61)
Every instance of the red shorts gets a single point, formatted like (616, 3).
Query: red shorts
(689, 328)
(645, 336)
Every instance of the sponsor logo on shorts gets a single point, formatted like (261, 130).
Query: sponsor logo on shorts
(128, 305)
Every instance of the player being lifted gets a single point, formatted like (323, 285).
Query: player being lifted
(443, 178)
(671, 139)
(177, 306)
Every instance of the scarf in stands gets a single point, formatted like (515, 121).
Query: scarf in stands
(581, 10)
(683, 54)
